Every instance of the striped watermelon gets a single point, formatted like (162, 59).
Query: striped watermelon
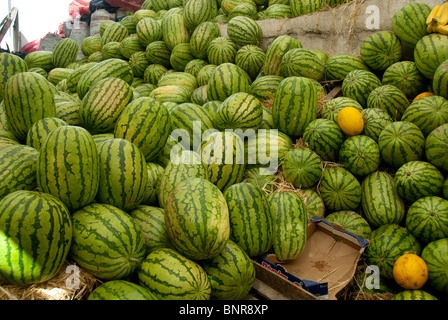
(152, 222)
(138, 63)
(381, 49)
(430, 51)
(387, 243)
(149, 30)
(360, 155)
(146, 123)
(123, 174)
(435, 256)
(157, 52)
(23, 108)
(302, 7)
(228, 5)
(178, 78)
(40, 130)
(380, 201)
(275, 52)
(40, 71)
(201, 38)
(409, 23)
(155, 172)
(107, 242)
(250, 58)
(231, 273)
(278, 11)
(95, 57)
(390, 99)
(302, 63)
(427, 113)
(204, 74)
(69, 112)
(174, 30)
(261, 177)
(65, 52)
(375, 120)
(251, 225)
(111, 50)
(223, 155)
(401, 142)
(315, 206)
(103, 103)
(197, 219)
(264, 87)
(290, 225)
(120, 290)
(130, 45)
(221, 50)
(41, 59)
(244, 9)
(194, 66)
(181, 54)
(427, 219)
(199, 96)
(351, 222)
(241, 111)
(358, 85)
(153, 73)
(405, 76)
(185, 166)
(171, 276)
(10, 64)
(116, 68)
(338, 66)
(331, 108)
(17, 168)
(436, 147)
(73, 78)
(413, 295)
(69, 154)
(324, 137)
(35, 237)
(302, 167)
(114, 32)
(130, 21)
(143, 13)
(226, 80)
(440, 80)
(295, 105)
(171, 93)
(418, 179)
(244, 30)
(56, 75)
(339, 189)
(197, 11)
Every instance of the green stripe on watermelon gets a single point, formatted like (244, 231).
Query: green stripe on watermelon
(435, 255)
(120, 290)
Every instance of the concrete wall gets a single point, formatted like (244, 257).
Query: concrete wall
(336, 30)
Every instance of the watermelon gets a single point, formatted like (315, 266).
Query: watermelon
(278, 11)
(381, 49)
(331, 109)
(155, 172)
(204, 74)
(358, 85)
(445, 189)
(244, 30)
(401, 142)
(427, 219)
(250, 58)
(181, 54)
(324, 137)
(405, 76)
(120, 290)
(413, 295)
(40, 129)
(11, 64)
(434, 254)
(111, 50)
(65, 52)
(387, 243)
(197, 11)
(226, 80)
(409, 23)
(352, 222)
(302, 167)
(73, 78)
(157, 52)
(194, 66)
(228, 5)
(114, 32)
(221, 50)
(41, 59)
(148, 30)
(201, 38)
(290, 225)
(339, 189)
(302, 63)
(429, 52)
(375, 120)
(223, 155)
(436, 147)
(69, 154)
(152, 222)
(240, 111)
(302, 7)
(146, 123)
(170, 276)
(36, 235)
(275, 52)
(153, 73)
(69, 112)
(197, 207)
(381, 204)
(138, 63)
(295, 105)
(56, 75)
(178, 78)
(130, 21)
(107, 242)
(243, 9)
(418, 179)
(23, 108)
(264, 87)
(338, 66)
(251, 225)
(427, 113)
(175, 30)
(390, 99)
(440, 80)
(130, 45)
(231, 273)
(360, 155)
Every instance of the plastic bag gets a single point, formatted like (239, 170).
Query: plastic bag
(78, 8)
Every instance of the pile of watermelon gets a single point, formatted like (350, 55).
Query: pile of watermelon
(158, 162)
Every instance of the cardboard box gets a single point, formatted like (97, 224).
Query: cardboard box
(325, 267)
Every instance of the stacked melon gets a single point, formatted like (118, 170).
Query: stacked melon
(171, 155)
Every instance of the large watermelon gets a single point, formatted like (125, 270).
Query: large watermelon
(201, 37)
(244, 30)
(436, 147)
(358, 84)
(360, 155)
(302, 7)
(381, 49)
(409, 23)
(302, 167)
(429, 52)
(275, 52)
(405, 76)
(435, 256)
(302, 62)
(390, 99)
(11, 64)
(440, 80)
(65, 52)
(226, 80)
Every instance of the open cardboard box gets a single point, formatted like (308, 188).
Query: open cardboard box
(326, 265)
